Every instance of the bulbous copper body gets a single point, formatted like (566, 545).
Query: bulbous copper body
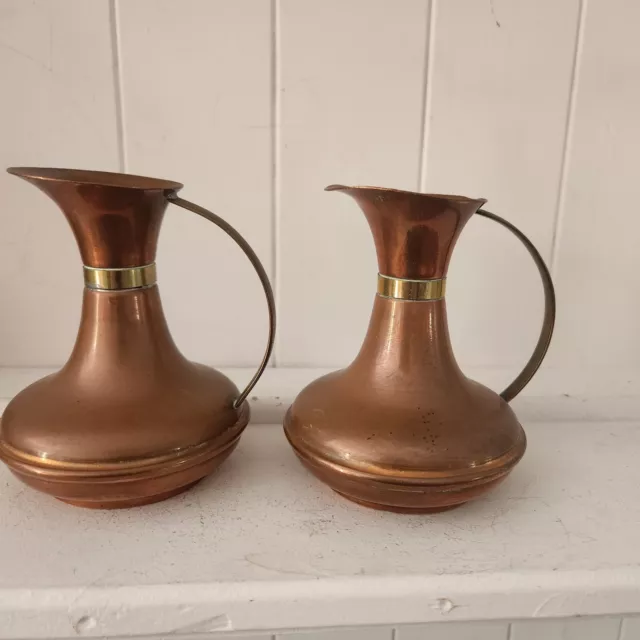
(128, 420)
(402, 428)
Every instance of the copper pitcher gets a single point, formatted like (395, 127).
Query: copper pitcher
(128, 420)
(402, 428)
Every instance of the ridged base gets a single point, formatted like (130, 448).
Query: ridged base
(432, 495)
(406, 510)
(136, 483)
(131, 502)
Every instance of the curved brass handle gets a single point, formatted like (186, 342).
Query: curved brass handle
(262, 274)
(549, 319)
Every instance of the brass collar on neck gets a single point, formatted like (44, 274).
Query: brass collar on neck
(118, 279)
(416, 290)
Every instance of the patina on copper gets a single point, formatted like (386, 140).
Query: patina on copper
(128, 420)
(402, 428)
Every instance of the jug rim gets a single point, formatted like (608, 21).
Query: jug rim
(98, 178)
(441, 196)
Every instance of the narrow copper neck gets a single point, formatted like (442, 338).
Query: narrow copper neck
(115, 217)
(414, 233)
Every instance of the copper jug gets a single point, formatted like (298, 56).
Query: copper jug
(128, 420)
(402, 428)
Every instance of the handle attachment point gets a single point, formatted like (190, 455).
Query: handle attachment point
(262, 274)
(544, 339)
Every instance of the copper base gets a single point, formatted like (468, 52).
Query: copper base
(127, 487)
(406, 510)
(395, 494)
(125, 504)
(128, 420)
(402, 428)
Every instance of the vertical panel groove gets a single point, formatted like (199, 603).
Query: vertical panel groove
(620, 629)
(117, 83)
(426, 96)
(275, 163)
(568, 137)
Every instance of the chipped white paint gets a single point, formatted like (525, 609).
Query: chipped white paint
(443, 605)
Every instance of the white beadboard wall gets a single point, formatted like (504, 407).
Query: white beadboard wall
(256, 105)
(596, 628)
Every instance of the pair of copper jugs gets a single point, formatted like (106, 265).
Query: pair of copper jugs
(129, 420)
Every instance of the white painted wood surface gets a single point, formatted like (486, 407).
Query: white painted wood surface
(499, 89)
(196, 102)
(597, 266)
(455, 631)
(257, 105)
(578, 629)
(57, 108)
(630, 629)
(367, 633)
(264, 547)
(591, 628)
(350, 95)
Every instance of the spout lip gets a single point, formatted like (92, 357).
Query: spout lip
(439, 196)
(100, 178)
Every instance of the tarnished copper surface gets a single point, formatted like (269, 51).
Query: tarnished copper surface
(402, 428)
(115, 217)
(128, 420)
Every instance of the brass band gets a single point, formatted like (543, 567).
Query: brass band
(403, 289)
(115, 279)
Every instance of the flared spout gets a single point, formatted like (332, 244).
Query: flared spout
(115, 217)
(414, 233)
